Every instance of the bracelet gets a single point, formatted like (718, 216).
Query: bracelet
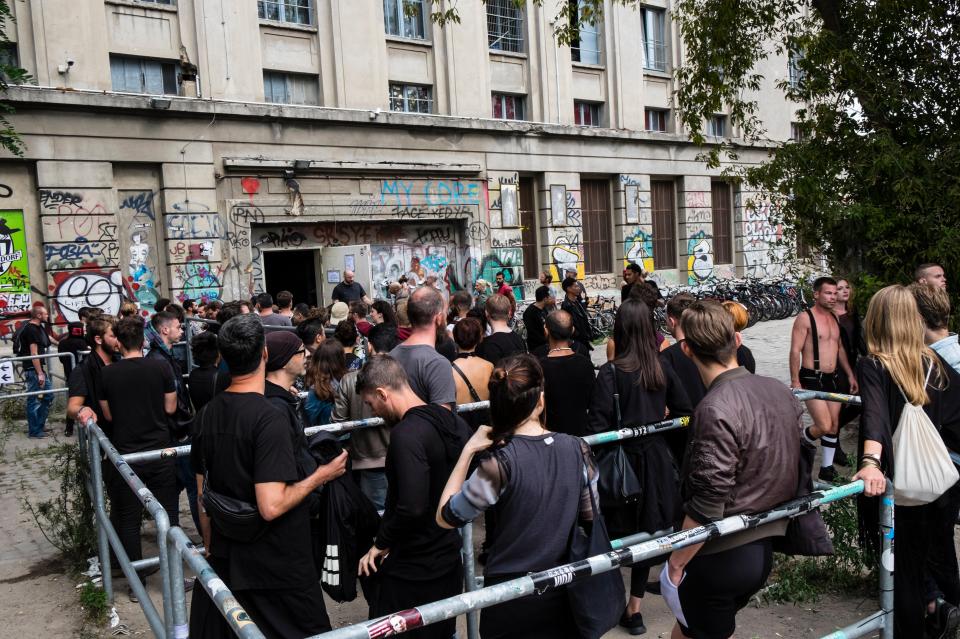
(868, 462)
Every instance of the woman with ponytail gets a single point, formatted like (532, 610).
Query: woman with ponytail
(898, 369)
(537, 483)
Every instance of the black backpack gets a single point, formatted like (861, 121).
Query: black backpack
(19, 347)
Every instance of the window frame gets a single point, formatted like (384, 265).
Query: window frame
(576, 50)
(529, 232)
(405, 86)
(598, 255)
(712, 122)
(282, 7)
(499, 16)
(288, 78)
(663, 113)
(519, 105)
(594, 109)
(795, 75)
(664, 218)
(393, 10)
(166, 67)
(722, 221)
(652, 46)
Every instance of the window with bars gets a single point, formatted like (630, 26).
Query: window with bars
(794, 72)
(586, 113)
(504, 26)
(411, 98)
(140, 75)
(405, 18)
(717, 126)
(290, 11)
(654, 39)
(528, 228)
(291, 88)
(585, 44)
(656, 120)
(664, 224)
(597, 226)
(507, 107)
(722, 223)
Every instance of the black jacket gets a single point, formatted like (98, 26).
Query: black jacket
(581, 322)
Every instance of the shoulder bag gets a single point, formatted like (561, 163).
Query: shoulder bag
(618, 481)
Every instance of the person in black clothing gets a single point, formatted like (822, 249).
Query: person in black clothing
(244, 448)
(206, 380)
(572, 304)
(568, 378)
(414, 559)
(526, 462)
(85, 387)
(286, 361)
(645, 388)
(349, 290)
(139, 395)
(682, 365)
(632, 275)
(73, 343)
(741, 317)
(35, 341)
(535, 315)
(502, 341)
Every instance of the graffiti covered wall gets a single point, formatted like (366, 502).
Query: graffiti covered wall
(14, 272)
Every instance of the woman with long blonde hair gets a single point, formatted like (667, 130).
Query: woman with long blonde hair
(900, 368)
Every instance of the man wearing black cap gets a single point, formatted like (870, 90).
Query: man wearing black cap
(287, 360)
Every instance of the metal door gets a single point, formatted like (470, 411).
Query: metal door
(335, 260)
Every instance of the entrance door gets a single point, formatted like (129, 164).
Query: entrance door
(335, 260)
(294, 271)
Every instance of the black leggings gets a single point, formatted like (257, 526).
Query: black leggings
(126, 510)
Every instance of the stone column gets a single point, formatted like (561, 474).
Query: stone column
(695, 218)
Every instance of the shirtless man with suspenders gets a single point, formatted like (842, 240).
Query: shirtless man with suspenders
(817, 359)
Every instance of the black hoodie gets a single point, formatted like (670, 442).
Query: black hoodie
(424, 448)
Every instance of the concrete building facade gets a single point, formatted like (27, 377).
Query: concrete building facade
(215, 149)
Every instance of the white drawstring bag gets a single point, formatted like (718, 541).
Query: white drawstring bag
(923, 469)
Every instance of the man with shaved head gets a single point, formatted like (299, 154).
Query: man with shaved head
(349, 290)
(931, 274)
(429, 372)
(567, 377)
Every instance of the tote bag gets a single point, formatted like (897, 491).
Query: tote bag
(924, 470)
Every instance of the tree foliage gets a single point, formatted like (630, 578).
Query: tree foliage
(9, 74)
(875, 177)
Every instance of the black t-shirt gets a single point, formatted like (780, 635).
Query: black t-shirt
(86, 382)
(533, 318)
(495, 347)
(134, 389)
(33, 334)
(568, 386)
(344, 292)
(241, 440)
(204, 383)
(686, 371)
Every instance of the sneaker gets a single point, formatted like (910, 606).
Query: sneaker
(132, 596)
(943, 621)
(828, 474)
(42, 435)
(633, 623)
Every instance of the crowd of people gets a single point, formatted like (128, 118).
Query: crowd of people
(266, 368)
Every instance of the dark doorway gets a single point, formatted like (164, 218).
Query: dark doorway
(293, 271)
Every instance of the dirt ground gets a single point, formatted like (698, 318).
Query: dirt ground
(38, 600)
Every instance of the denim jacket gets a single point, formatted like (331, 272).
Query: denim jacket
(949, 349)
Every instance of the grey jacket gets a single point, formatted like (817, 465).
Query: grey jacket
(367, 446)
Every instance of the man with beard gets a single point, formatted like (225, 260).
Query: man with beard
(415, 560)
(84, 386)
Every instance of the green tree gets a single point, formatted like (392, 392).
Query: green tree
(875, 178)
(9, 74)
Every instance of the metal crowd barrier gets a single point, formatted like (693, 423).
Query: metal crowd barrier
(23, 358)
(624, 551)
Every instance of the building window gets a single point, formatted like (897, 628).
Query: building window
(794, 72)
(291, 88)
(290, 11)
(405, 18)
(586, 113)
(507, 107)
(597, 226)
(411, 98)
(656, 120)
(654, 39)
(717, 126)
(664, 224)
(169, 2)
(528, 228)
(585, 46)
(8, 58)
(796, 133)
(504, 26)
(722, 223)
(139, 75)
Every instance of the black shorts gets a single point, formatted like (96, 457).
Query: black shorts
(717, 586)
(827, 382)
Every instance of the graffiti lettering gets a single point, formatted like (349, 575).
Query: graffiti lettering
(96, 288)
(5, 191)
(52, 199)
(198, 226)
(435, 192)
(190, 207)
(286, 238)
(434, 234)
(246, 215)
(478, 231)
(142, 203)
(425, 212)
(506, 242)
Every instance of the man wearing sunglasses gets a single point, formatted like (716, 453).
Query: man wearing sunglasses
(286, 360)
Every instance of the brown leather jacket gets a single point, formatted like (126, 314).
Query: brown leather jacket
(744, 453)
